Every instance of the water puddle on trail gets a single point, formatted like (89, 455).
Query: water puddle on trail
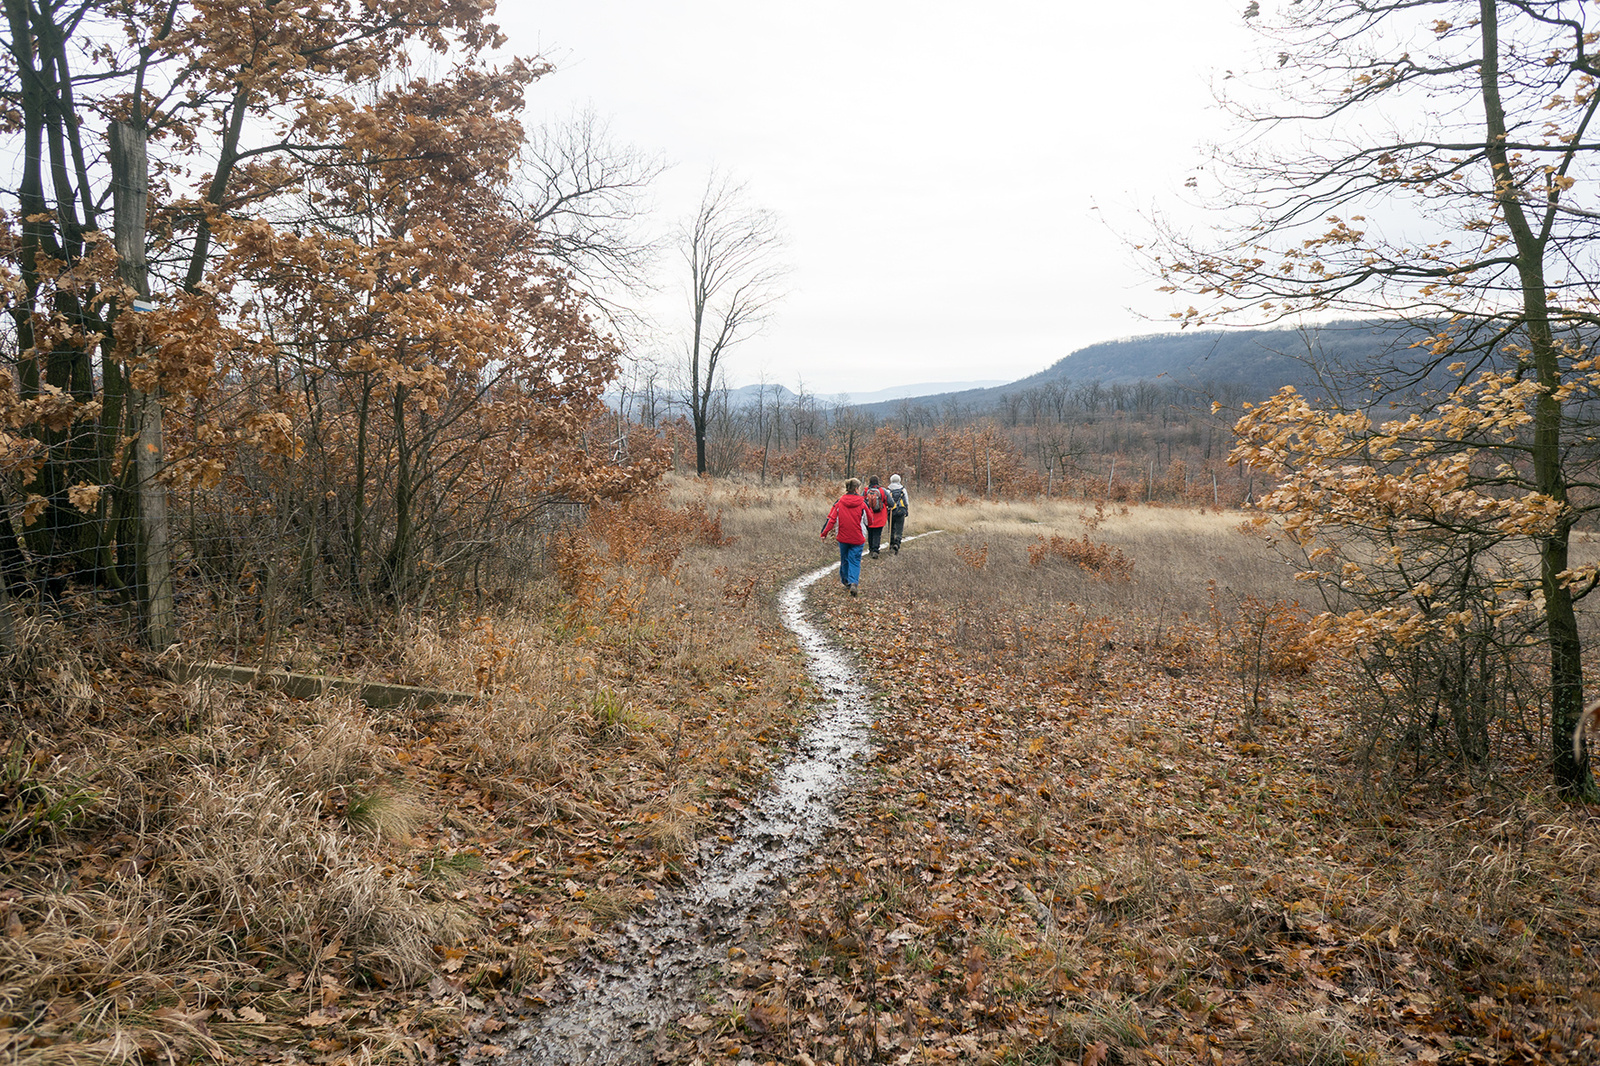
(617, 1005)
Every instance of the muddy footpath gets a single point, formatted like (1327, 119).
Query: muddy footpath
(619, 1001)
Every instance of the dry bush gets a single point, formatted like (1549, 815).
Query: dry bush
(606, 567)
(214, 839)
(1284, 633)
(1439, 708)
(772, 532)
(1100, 559)
(1263, 641)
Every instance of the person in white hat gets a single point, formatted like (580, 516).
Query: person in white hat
(899, 507)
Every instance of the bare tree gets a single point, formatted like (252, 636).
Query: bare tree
(804, 415)
(586, 196)
(638, 389)
(731, 250)
(767, 416)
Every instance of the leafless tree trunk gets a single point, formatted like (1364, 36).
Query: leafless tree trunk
(731, 251)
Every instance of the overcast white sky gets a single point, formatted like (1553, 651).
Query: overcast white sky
(957, 180)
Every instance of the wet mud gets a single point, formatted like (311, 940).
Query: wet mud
(619, 1002)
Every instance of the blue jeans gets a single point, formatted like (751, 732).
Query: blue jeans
(850, 563)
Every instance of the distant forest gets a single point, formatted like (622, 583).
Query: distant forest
(1121, 420)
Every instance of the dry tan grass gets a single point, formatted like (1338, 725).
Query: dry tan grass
(1185, 549)
(201, 845)
(252, 848)
(218, 862)
(1192, 571)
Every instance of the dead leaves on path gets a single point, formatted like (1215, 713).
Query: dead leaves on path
(1066, 854)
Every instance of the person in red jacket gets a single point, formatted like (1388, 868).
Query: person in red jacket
(848, 521)
(877, 514)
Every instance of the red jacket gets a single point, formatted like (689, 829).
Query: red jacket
(878, 519)
(849, 514)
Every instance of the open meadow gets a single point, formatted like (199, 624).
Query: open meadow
(1123, 812)
(1120, 810)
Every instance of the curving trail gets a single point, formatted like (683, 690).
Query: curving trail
(658, 962)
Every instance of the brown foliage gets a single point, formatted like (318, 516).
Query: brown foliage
(225, 69)
(1096, 558)
(253, 877)
(606, 568)
(974, 556)
(1065, 848)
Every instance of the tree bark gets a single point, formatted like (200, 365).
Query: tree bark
(1570, 769)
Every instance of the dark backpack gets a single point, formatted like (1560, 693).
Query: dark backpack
(899, 497)
(875, 498)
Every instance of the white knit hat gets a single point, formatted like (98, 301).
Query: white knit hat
(894, 479)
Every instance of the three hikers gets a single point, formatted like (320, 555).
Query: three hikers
(858, 519)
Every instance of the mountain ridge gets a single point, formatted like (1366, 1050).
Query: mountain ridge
(1259, 360)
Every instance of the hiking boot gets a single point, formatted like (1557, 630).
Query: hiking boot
(874, 555)
(852, 590)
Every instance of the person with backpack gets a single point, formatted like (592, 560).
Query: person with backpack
(848, 521)
(877, 514)
(899, 507)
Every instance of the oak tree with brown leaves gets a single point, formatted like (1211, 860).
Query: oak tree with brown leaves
(341, 272)
(1444, 170)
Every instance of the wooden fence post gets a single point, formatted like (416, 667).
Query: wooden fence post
(130, 182)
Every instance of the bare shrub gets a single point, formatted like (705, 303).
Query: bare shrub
(1433, 702)
(1092, 557)
(1264, 640)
